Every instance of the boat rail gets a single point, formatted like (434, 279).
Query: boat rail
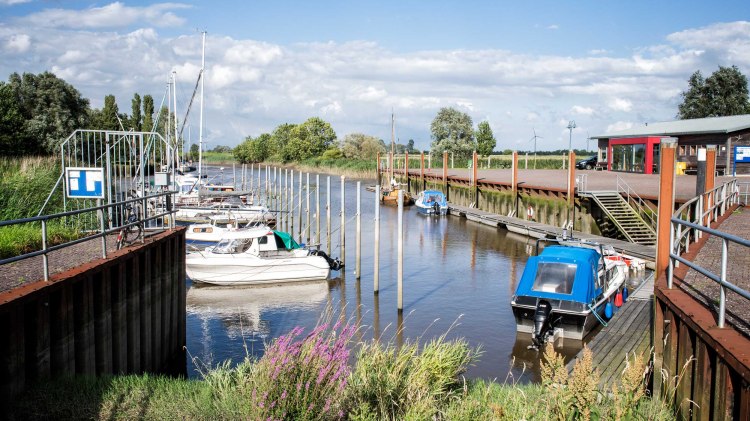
(705, 209)
(154, 208)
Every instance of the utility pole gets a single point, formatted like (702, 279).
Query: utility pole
(571, 126)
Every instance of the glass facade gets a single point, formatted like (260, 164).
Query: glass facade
(629, 158)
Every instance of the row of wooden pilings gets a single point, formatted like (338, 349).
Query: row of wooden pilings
(121, 315)
(291, 200)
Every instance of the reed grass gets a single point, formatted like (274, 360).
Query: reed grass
(312, 377)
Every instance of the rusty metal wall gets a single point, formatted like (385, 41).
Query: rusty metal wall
(120, 315)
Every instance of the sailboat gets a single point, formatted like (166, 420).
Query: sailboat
(389, 195)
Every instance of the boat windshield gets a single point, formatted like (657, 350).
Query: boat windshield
(555, 277)
(236, 245)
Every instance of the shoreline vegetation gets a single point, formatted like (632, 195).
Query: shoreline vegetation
(311, 376)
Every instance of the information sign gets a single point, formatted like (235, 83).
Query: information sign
(84, 183)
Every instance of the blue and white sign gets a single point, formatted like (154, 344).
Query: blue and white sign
(85, 183)
(742, 153)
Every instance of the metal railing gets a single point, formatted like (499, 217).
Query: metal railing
(642, 209)
(705, 208)
(702, 210)
(743, 190)
(155, 208)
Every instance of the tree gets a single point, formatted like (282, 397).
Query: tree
(109, 115)
(194, 152)
(361, 146)
(309, 139)
(135, 118)
(452, 131)
(410, 146)
(52, 109)
(12, 137)
(148, 113)
(724, 93)
(253, 150)
(485, 139)
(279, 139)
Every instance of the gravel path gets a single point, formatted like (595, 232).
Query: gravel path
(31, 270)
(709, 257)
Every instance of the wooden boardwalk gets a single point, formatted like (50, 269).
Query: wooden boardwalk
(539, 230)
(627, 334)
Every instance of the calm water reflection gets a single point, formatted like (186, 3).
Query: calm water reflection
(456, 272)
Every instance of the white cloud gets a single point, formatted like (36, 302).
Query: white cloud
(113, 15)
(618, 125)
(598, 52)
(579, 110)
(553, 27)
(620, 104)
(18, 43)
(13, 2)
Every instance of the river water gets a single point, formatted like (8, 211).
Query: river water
(458, 279)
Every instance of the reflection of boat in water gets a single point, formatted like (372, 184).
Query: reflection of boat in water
(242, 307)
(258, 256)
(431, 202)
(566, 288)
(526, 359)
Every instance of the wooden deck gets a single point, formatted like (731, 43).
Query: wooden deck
(539, 230)
(627, 334)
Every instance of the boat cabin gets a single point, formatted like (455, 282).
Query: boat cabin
(258, 242)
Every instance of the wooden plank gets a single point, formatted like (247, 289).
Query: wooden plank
(37, 338)
(147, 280)
(119, 321)
(62, 332)
(103, 321)
(12, 351)
(621, 337)
(703, 382)
(133, 310)
(670, 350)
(156, 309)
(685, 355)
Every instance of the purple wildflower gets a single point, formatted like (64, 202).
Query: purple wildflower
(283, 394)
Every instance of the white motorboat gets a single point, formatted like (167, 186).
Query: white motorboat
(211, 232)
(431, 202)
(258, 256)
(228, 210)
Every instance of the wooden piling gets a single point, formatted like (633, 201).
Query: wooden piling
(307, 210)
(358, 237)
(666, 203)
(514, 181)
(710, 182)
(400, 251)
(571, 188)
(406, 170)
(445, 176)
(291, 206)
(475, 186)
(299, 209)
(328, 214)
(342, 244)
(421, 171)
(317, 209)
(377, 168)
(376, 241)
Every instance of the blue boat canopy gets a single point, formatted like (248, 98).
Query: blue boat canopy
(431, 196)
(562, 273)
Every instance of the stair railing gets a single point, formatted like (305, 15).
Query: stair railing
(643, 210)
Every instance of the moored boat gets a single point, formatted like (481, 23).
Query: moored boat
(211, 232)
(258, 256)
(566, 288)
(431, 202)
(390, 197)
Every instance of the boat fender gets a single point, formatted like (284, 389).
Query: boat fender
(608, 310)
(618, 299)
(625, 294)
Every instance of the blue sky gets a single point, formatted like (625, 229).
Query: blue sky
(522, 66)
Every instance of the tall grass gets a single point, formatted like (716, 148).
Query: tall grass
(312, 377)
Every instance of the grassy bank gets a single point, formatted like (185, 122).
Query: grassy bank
(350, 168)
(310, 376)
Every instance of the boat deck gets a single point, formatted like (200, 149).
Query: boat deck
(539, 230)
(626, 335)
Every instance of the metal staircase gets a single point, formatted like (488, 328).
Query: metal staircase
(625, 218)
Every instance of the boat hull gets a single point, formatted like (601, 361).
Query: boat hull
(235, 270)
(574, 326)
(429, 210)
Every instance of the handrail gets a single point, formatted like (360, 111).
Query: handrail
(103, 231)
(645, 212)
(717, 200)
(705, 209)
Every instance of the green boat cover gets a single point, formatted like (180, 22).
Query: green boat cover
(287, 239)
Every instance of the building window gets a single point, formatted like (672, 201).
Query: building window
(683, 150)
(629, 158)
(693, 150)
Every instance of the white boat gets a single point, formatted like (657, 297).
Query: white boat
(258, 256)
(431, 202)
(211, 232)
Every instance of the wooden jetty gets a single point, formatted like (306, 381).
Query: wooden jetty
(539, 230)
(626, 335)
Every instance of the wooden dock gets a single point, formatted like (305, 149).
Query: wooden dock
(539, 230)
(628, 333)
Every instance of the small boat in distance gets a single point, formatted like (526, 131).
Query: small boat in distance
(567, 288)
(390, 197)
(258, 256)
(431, 202)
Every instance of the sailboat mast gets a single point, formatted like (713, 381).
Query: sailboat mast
(174, 100)
(393, 134)
(200, 125)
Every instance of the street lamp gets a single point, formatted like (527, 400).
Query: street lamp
(571, 126)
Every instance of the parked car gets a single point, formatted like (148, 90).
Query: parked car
(587, 164)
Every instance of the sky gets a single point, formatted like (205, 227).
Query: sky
(525, 67)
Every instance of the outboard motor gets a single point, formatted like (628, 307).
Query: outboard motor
(436, 208)
(334, 264)
(541, 323)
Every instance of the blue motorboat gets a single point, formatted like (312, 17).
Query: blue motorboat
(431, 202)
(566, 288)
